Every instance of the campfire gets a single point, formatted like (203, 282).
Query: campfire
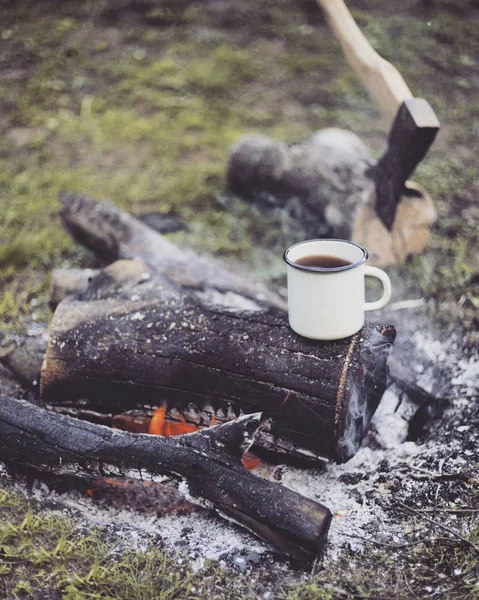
(165, 363)
(138, 354)
(213, 375)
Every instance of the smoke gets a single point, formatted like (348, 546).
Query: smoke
(357, 419)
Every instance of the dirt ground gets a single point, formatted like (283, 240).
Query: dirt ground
(139, 102)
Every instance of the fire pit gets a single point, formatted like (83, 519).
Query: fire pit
(238, 462)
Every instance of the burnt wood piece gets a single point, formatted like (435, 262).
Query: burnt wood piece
(207, 462)
(144, 497)
(147, 344)
(114, 234)
(413, 131)
(160, 498)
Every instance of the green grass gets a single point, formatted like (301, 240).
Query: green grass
(422, 571)
(46, 553)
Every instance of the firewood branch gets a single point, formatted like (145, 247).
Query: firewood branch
(453, 532)
(208, 462)
(114, 234)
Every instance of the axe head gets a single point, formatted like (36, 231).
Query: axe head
(412, 133)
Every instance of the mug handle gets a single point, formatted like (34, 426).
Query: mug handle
(384, 279)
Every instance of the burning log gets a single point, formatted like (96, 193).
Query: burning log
(142, 344)
(207, 462)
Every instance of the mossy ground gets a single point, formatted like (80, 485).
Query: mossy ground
(139, 103)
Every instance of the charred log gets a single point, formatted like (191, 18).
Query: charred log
(114, 234)
(266, 443)
(208, 462)
(148, 344)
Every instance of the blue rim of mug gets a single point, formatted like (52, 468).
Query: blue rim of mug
(326, 269)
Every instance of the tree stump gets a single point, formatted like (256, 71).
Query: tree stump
(324, 187)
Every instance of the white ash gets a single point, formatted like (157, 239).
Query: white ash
(468, 377)
(432, 348)
(198, 537)
(344, 490)
(391, 419)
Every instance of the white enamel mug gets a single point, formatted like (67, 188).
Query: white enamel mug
(329, 303)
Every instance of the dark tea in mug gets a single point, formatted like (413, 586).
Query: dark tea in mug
(322, 261)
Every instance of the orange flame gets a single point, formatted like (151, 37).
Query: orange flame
(250, 461)
(157, 421)
(172, 428)
(159, 425)
(134, 424)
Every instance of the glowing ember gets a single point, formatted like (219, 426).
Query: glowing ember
(116, 482)
(250, 461)
(106, 480)
(134, 424)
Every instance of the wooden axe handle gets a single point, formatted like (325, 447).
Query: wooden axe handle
(383, 82)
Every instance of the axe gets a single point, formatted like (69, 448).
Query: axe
(414, 123)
